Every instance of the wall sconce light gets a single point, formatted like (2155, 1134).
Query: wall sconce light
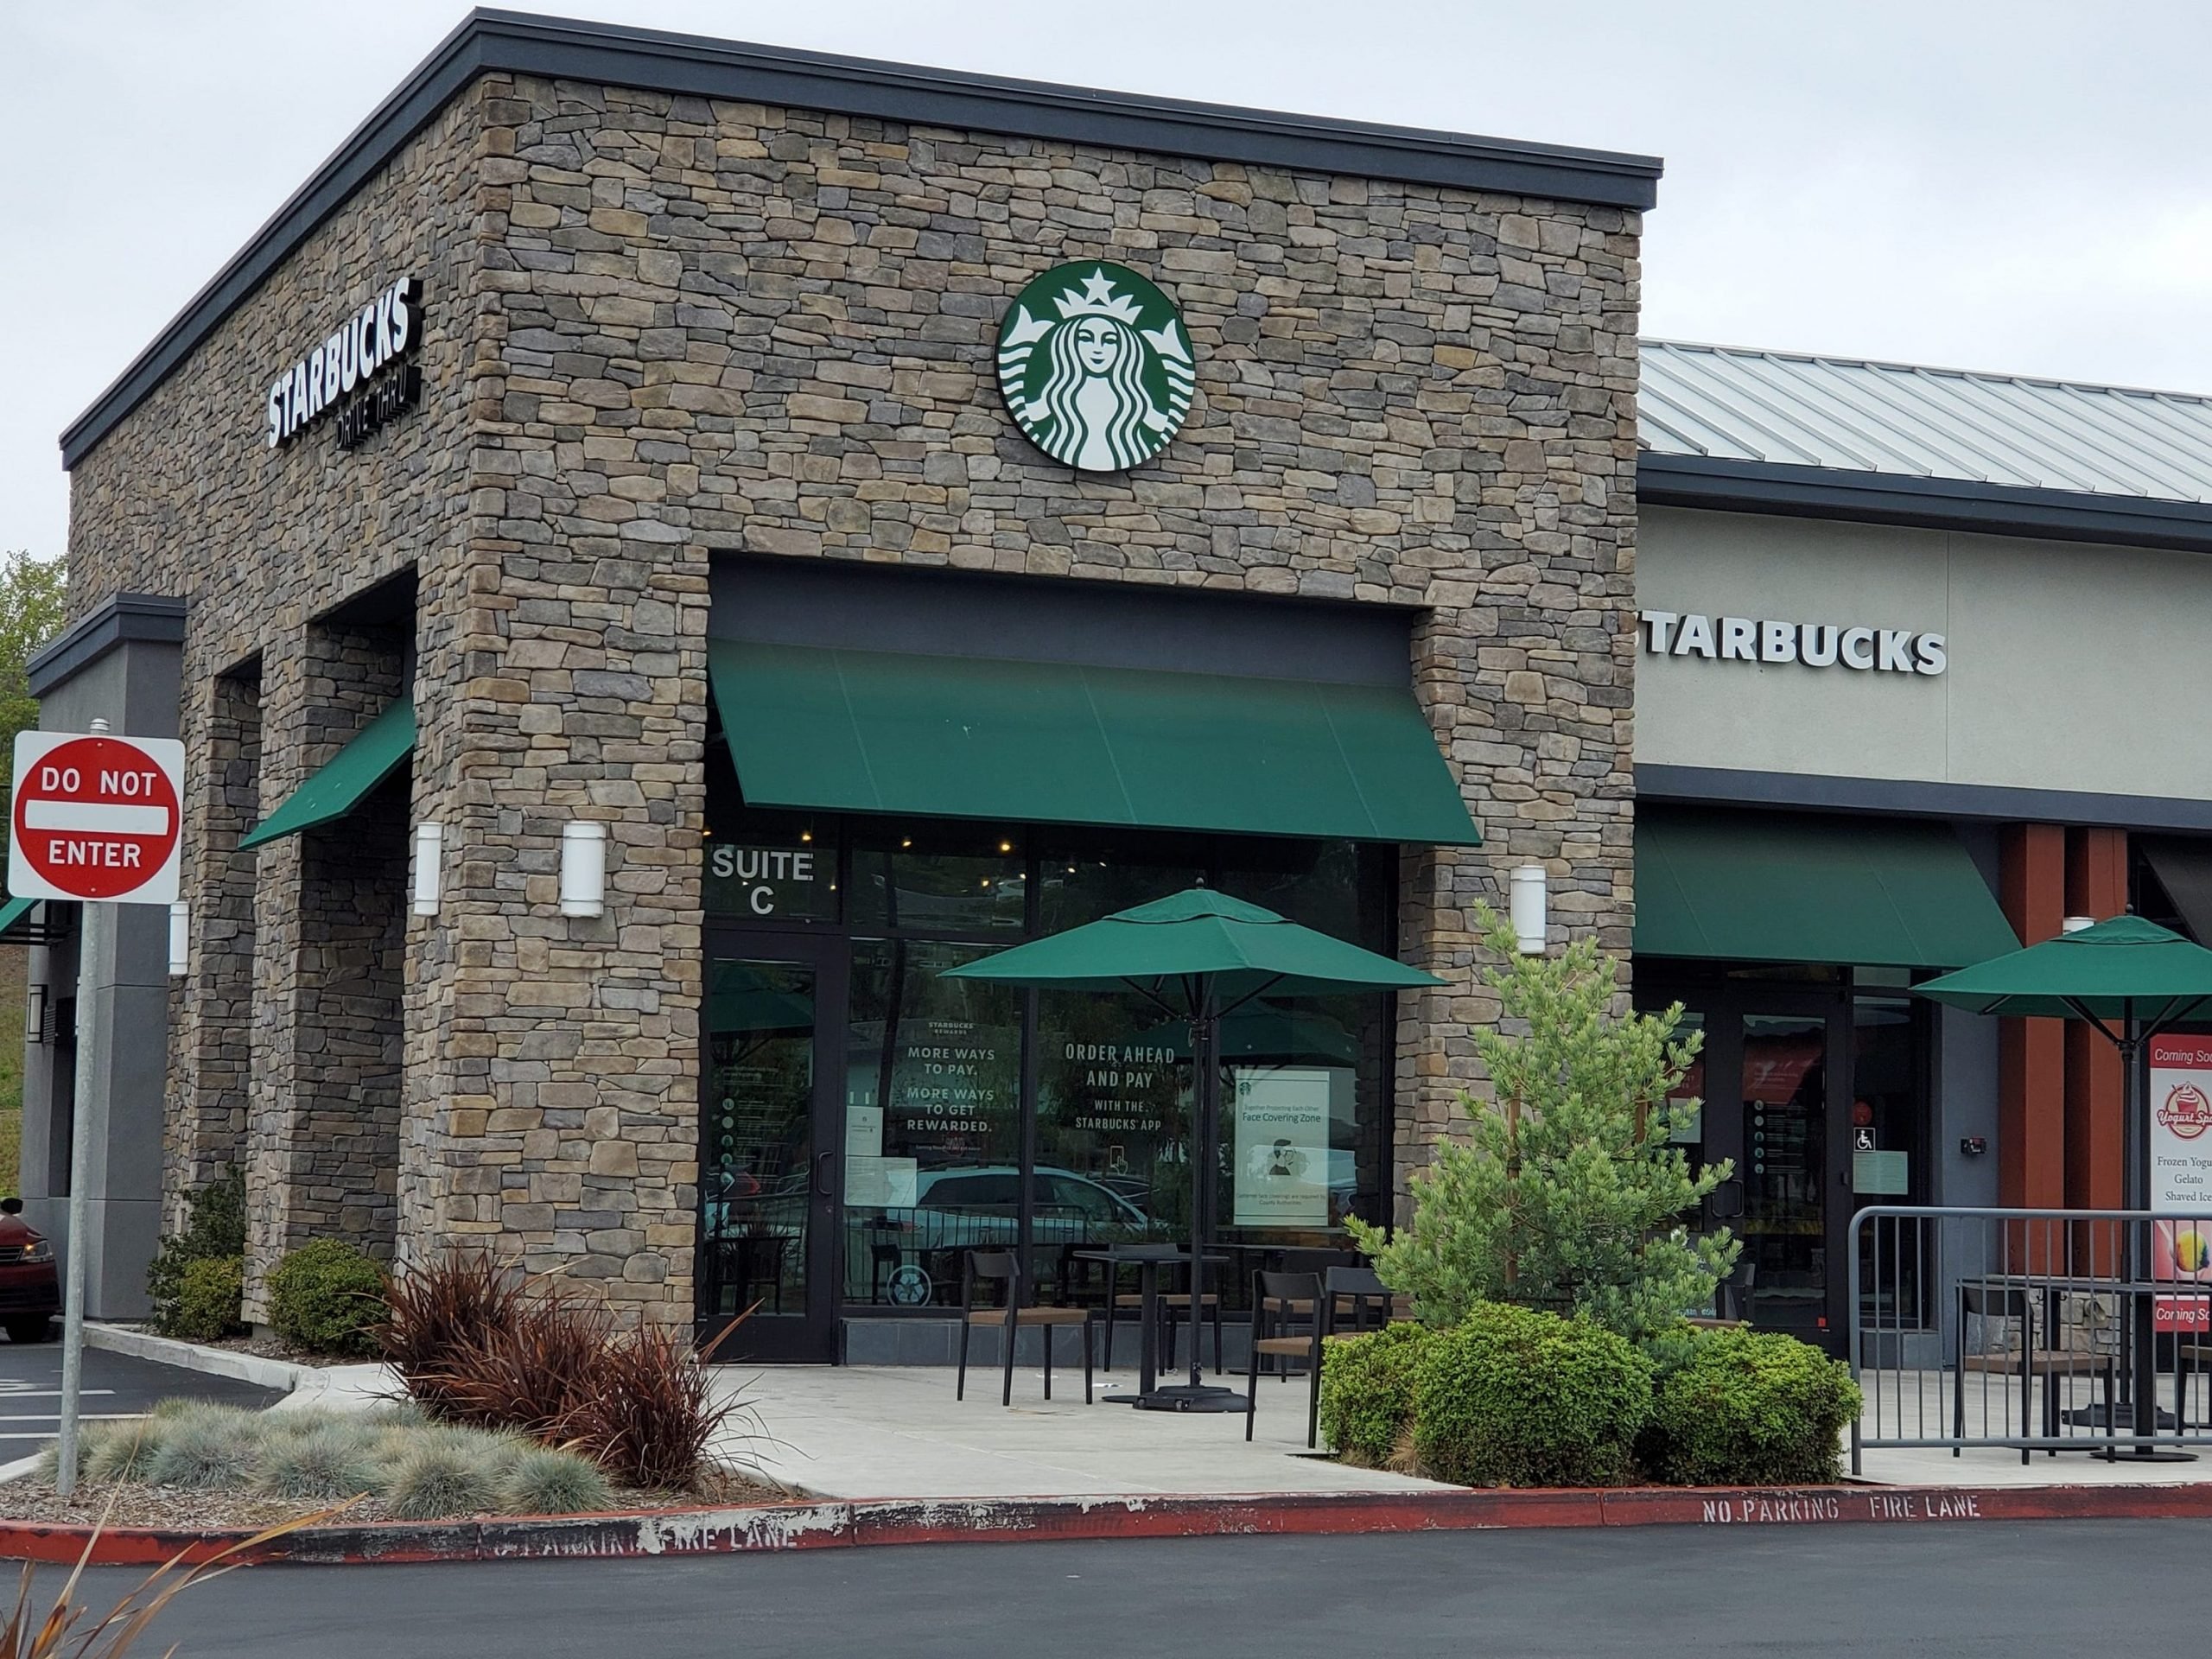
(429, 846)
(180, 939)
(1526, 905)
(583, 869)
(34, 1015)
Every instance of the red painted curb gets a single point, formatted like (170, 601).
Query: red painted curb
(839, 1524)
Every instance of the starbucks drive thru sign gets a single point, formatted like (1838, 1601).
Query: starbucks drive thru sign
(1095, 365)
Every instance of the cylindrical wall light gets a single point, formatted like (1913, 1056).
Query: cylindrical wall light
(1526, 906)
(2076, 923)
(180, 939)
(429, 845)
(583, 869)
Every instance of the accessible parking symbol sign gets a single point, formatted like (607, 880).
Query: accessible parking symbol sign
(96, 819)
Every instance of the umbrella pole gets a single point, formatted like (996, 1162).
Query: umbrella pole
(1206, 1108)
(2143, 1336)
(1197, 1395)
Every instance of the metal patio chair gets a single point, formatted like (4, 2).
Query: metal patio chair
(1004, 1267)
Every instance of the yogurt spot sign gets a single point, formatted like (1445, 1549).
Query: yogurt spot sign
(2181, 1112)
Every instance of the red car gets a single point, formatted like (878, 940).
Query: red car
(30, 1292)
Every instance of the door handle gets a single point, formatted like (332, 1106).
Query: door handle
(821, 1187)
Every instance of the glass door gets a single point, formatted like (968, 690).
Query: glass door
(1796, 1177)
(773, 1029)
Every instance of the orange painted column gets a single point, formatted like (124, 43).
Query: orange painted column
(2031, 1053)
(2097, 1132)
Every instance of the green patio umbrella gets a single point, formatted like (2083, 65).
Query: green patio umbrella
(2128, 980)
(1266, 1032)
(1200, 956)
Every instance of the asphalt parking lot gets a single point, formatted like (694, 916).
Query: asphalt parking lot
(116, 1385)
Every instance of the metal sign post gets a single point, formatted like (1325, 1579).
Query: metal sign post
(95, 932)
(96, 820)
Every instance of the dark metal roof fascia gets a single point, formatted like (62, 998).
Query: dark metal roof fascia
(1733, 486)
(516, 42)
(127, 617)
(1910, 797)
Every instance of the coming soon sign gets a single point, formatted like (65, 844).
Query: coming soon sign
(95, 818)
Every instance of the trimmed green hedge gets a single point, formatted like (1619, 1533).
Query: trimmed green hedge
(1367, 1391)
(214, 1230)
(205, 1307)
(1514, 1397)
(1751, 1408)
(329, 1298)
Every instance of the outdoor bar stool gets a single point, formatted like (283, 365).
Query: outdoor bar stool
(1355, 1300)
(1004, 1267)
(1304, 1261)
(1989, 1302)
(1281, 1288)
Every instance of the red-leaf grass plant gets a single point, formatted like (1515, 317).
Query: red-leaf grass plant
(476, 1344)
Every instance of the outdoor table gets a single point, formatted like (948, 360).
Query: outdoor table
(2049, 1288)
(1148, 1259)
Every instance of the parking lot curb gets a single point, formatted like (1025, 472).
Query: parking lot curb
(280, 1375)
(845, 1524)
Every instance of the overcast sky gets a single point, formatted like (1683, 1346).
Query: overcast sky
(2002, 185)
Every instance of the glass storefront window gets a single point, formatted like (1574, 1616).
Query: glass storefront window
(932, 1122)
(1083, 877)
(961, 1133)
(1113, 1155)
(937, 879)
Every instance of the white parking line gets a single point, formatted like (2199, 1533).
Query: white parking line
(48, 1394)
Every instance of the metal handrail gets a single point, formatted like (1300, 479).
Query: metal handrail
(2025, 1264)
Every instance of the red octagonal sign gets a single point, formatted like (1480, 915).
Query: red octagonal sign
(95, 818)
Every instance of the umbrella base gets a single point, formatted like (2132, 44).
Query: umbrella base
(1186, 1397)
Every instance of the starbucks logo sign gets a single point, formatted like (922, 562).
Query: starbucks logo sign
(1095, 365)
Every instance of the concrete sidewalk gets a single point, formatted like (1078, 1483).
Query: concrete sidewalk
(861, 1432)
(886, 1432)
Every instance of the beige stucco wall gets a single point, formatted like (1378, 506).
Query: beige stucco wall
(2073, 666)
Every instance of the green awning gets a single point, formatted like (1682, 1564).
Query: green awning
(1753, 887)
(380, 749)
(13, 915)
(865, 731)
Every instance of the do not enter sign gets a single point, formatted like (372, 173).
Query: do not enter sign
(95, 818)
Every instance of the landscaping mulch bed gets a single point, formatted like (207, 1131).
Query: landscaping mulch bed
(135, 1503)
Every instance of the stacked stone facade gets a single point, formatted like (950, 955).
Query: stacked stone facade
(663, 329)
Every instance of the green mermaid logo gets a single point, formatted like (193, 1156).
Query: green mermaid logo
(1095, 366)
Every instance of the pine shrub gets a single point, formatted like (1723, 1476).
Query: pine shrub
(1567, 1193)
(328, 1297)
(1516, 1397)
(1751, 1408)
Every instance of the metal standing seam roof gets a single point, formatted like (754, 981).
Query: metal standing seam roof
(1790, 409)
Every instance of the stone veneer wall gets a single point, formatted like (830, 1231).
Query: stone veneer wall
(209, 1085)
(731, 326)
(184, 497)
(662, 327)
